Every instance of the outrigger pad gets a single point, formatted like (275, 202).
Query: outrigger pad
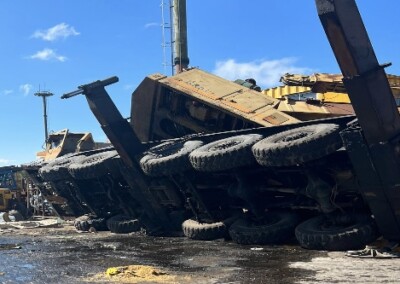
(374, 252)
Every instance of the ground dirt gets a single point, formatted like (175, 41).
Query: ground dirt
(60, 254)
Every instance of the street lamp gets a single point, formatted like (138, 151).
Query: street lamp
(44, 95)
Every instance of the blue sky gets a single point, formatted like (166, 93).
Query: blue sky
(57, 45)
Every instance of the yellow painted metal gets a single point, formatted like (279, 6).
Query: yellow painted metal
(5, 196)
(229, 97)
(282, 91)
(63, 142)
(333, 97)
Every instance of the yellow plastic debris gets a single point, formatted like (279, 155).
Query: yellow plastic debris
(141, 274)
(138, 274)
(114, 271)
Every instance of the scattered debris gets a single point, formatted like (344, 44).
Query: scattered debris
(257, 249)
(376, 252)
(139, 274)
(9, 246)
(45, 223)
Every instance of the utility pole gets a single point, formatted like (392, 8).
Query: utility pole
(44, 95)
(179, 24)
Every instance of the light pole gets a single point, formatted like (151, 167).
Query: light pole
(44, 95)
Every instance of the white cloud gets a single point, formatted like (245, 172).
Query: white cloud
(58, 31)
(48, 54)
(150, 25)
(265, 72)
(5, 162)
(7, 92)
(25, 89)
(128, 87)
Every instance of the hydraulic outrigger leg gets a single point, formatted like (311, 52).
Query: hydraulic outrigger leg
(373, 143)
(121, 135)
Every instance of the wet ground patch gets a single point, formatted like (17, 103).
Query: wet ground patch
(69, 257)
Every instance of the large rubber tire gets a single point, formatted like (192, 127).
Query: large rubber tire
(58, 169)
(225, 154)
(319, 233)
(276, 227)
(115, 166)
(168, 158)
(85, 222)
(120, 224)
(36, 163)
(298, 145)
(204, 231)
(92, 166)
(15, 215)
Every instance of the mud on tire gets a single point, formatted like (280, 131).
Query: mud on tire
(115, 166)
(85, 222)
(276, 227)
(92, 166)
(168, 158)
(121, 224)
(298, 145)
(319, 233)
(224, 154)
(15, 216)
(204, 231)
(58, 169)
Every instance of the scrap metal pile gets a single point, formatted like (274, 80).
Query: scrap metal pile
(207, 158)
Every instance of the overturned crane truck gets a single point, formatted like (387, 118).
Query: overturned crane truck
(226, 179)
(301, 168)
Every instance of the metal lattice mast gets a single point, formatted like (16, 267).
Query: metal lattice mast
(166, 42)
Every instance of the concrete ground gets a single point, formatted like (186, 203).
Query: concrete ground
(62, 255)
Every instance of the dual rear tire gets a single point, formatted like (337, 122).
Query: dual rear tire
(338, 233)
